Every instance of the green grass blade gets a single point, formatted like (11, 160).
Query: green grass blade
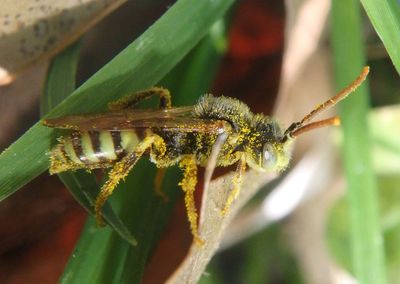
(139, 66)
(385, 17)
(367, 247)
(92, 246)
(61, 77)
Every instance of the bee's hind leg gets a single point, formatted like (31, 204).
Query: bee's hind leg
(237, 184)
(189, 166)
(132, 100)
(119, 172)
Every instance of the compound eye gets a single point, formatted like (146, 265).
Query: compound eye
(269, 156)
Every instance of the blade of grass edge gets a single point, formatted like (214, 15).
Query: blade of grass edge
(366, 236)
(150, 57)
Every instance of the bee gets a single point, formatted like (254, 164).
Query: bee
(215, 132)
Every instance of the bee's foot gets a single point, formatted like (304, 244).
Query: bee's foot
(199, 242)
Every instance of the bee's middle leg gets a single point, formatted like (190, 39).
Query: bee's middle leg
(237, 184)
(189, 166)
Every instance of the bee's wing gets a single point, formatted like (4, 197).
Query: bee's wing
(180, 118)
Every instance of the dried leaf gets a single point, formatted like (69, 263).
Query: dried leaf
(34, 30)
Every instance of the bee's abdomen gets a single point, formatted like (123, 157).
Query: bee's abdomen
(96, 147)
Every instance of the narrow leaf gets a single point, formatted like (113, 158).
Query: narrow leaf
(349, 58)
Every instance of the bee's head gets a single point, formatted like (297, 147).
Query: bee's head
(269, 148)
(266, 151)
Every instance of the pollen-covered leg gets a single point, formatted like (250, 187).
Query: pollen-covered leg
(237, 184)
(131, 101)
(188, 184)
(119, 172)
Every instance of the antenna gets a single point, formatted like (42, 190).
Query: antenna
(298, 128)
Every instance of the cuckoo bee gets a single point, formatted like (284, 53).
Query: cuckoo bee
(216, 132)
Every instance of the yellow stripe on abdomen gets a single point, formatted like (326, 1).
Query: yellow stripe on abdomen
(69, 150)
(88, 153)
(97, 147)
(107, 146)
(129, 140)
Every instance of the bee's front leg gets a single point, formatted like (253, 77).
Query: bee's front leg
(120, 170)
(189, 166)
(237, 184)
(132, 100)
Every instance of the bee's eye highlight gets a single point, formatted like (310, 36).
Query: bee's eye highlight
(269, 156)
